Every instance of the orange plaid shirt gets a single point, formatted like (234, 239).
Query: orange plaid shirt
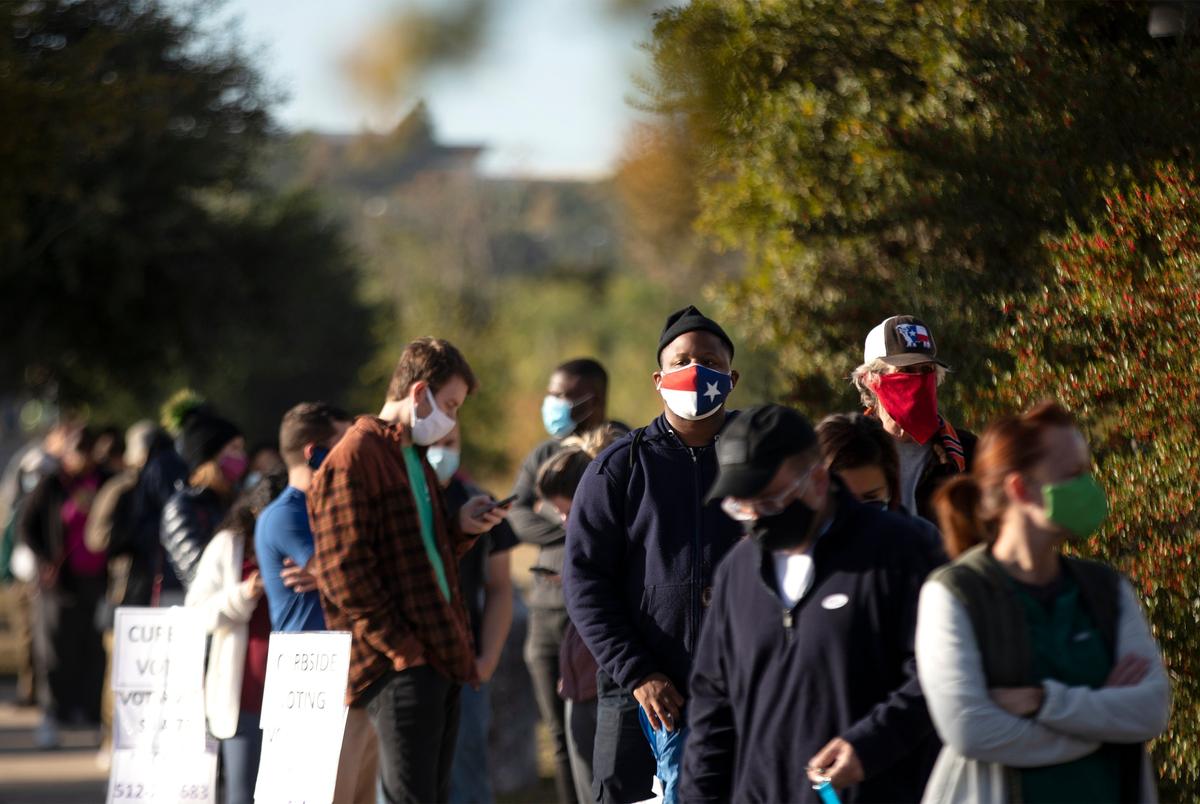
(372, 571)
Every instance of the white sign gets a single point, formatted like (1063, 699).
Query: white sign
(158, 648)
(154, 720)
(183, 778)
(162, 753)
(306, 678)
(303, 717)
(299, 766)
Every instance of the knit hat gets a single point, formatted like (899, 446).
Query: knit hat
(204, 436)
(689, 319)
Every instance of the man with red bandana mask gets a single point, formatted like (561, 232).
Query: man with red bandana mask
(898, 382)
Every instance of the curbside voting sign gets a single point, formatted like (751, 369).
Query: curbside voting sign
(162, 752)
(303, 717)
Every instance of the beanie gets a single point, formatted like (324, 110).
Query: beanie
(689, 319)
(204, 436)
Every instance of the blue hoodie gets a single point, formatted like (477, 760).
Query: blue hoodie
(641, 552)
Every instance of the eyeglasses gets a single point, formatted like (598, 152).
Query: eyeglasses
(748, 510)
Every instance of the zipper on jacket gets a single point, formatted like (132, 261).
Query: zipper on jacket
(789, 622)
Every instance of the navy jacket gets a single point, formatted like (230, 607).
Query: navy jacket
(772, 686)
(641, 553)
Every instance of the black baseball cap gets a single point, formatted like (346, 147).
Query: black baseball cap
(901, 340)
(752, 447)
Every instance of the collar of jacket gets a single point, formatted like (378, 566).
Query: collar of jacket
(947, 446)
(660, 431)
(391, 431)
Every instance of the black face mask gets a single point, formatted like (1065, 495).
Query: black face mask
(788, 529)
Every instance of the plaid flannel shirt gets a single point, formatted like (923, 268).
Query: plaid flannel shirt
(372, 571)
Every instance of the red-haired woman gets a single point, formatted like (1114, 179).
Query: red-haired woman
(1039, 670)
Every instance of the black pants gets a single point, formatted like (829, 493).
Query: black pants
(69, 650)
(542, 644)
(622, 763)
(415, 713)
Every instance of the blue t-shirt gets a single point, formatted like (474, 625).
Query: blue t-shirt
(282, 531)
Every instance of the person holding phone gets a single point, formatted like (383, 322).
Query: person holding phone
(386, 565)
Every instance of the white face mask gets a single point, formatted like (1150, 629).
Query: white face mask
(434, 427)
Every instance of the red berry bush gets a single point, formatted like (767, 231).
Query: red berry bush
(1116, 337)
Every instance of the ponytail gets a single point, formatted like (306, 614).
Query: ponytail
(958, 504)
(969, 507)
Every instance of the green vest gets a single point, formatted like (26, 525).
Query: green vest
(981, 585)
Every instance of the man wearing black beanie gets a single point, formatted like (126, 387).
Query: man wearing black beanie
(641, 549)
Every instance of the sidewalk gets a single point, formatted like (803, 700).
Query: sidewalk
(68, 775)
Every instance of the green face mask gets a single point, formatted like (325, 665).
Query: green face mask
(1078, 505)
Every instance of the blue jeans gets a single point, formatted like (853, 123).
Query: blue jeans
(668, 754)
(469, 779)
(240, 754)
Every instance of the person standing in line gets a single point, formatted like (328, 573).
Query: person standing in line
(215, 453)
(897, 383)
(283, 542)
(227, 589)
(71, 582)
(386, 564)
(1042, 676)
(557, 480)
(576, 402)
(642, 547)
(857, 449)
(485, 581)
(807, 652)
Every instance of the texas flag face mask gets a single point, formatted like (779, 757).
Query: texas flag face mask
(694, 392)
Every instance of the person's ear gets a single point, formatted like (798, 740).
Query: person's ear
(418, 398)
(734, 376)
(309, 449)
(1017, 489)
(657, 376)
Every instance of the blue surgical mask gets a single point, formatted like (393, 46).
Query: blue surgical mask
(557, 416)
(317, 457)
(444, 461)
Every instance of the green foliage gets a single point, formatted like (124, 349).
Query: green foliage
(137, 250)
(1104, 337)
(873, 158)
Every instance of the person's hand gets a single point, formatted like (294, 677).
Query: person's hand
(298, 579)
(479, 516)
(838, 763)
(252, 587)
(661, 702)
(1018, 701)
(1128, 671)
(486, 668)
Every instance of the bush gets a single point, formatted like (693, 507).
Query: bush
(1113, 337)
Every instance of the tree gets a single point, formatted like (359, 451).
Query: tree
(1103, 336)
(871, 158)
(133, 231)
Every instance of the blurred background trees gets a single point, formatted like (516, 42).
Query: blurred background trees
(804, 170)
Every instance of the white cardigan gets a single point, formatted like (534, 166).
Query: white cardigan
(216, 592)
(981, 739)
